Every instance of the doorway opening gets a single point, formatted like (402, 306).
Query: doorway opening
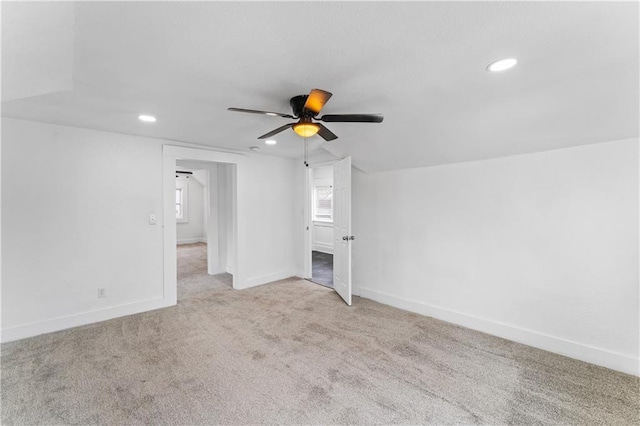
(217, 242)
(328, 203)
(201, 199)
(321, 191)
(322, 268)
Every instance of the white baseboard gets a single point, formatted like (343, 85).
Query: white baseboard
(322, 247)
(264, 279)
(84, 318)
(613, 360)
(192, 240)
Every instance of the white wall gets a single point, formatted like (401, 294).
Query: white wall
(75, 218)
(194, 229)
(539, 248)
(265, 220)
(323, 175)
(268, 203)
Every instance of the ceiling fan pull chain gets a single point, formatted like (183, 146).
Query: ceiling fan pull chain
(306, 152)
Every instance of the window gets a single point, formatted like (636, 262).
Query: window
(182, 199)
(323, 203)
(179, 210)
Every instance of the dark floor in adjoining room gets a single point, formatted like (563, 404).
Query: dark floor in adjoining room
(192, 272)
(322, 268)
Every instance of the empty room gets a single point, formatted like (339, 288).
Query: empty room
(320, 213)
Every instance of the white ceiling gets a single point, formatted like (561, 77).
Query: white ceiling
(420, 64)
(37, 48)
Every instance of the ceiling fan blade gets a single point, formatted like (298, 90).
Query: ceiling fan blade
(352, 118)
(276, 131)
(316, 100)
(325, 133)
(255, 111)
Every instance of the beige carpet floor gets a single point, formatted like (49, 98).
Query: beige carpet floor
(192, 272)
(292, 352)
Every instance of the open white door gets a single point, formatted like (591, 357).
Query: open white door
(342, 229)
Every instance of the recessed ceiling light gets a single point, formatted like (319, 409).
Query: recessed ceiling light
(147, 118)
(272, 114)
(270, 142)
(502, 65)
(254, 148)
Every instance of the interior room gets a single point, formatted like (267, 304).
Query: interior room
(320, 213)
(321, 191)
(193, 207)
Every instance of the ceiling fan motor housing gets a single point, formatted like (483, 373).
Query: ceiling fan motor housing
(297, 105)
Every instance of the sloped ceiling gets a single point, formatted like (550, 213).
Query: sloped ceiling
(421, 64)
(37, 48)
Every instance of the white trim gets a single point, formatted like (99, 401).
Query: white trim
(613, 360)
(212, 224)
(307, 264)
(76, 320)
(192, 240)
(269, 278)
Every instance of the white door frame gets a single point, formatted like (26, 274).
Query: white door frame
(308, 220)
(170, 154)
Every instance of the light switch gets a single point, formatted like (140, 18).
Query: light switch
(153, 219)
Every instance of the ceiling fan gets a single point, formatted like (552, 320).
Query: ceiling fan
(305, 109)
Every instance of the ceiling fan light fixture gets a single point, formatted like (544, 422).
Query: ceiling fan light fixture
(306, 129)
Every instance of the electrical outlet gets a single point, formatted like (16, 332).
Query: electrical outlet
(102, 292)
(153, 219)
